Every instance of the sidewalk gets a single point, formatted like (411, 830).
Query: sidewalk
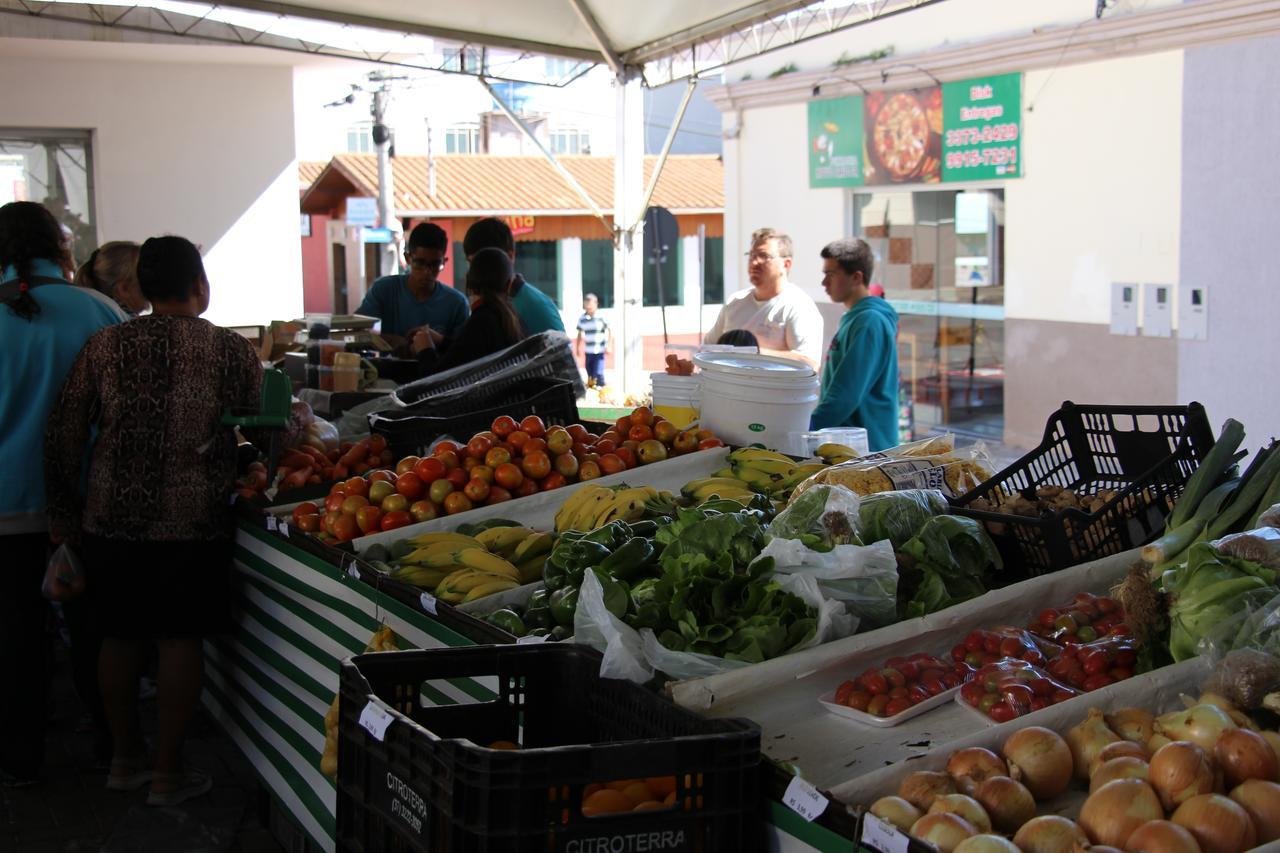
(71, 811)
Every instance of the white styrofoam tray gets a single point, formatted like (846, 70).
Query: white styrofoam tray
(828, 700)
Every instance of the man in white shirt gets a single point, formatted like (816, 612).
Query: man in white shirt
(782, 317)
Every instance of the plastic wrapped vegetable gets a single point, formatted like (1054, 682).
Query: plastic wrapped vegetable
(944, 564)
(952, 473)
(898, 515)
(1011, 688)
(1261, 546)
(830, 515)
(1270, 517)
(1245, 677)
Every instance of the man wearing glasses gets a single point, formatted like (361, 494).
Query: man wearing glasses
(418, 302)
(782, 317)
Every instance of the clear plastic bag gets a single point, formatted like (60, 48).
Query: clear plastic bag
(828, 512)
(63, 576)
(1245, 677)
(864, 577)
(1270, 518)
(1012, 688)
(952, 473)
(1261, 546)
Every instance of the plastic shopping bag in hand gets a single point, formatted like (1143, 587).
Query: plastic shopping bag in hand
(64, 576)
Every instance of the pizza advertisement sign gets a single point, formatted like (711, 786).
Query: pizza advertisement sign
(968, 130)
(835, 142)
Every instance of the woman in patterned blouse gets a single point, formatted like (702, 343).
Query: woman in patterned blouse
(154, 526)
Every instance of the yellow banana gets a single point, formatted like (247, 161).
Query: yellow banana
(801, 473)
(444, 559)
(424, 553)
(455, 587)
(586, 511)
(831, 450)
(573, 504)
(693, 487)
(537, 545)
(757, 479)
(723, 472)
(499, 539)
(490, 588)
(478, 558)
(458, 539)
(531, 568)
(767, 466)
(424, 578)
(757, 454)
(732, 492)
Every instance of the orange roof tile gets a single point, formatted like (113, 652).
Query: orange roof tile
(483, 184)
(308, 171)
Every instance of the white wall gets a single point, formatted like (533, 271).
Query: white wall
(204, 151)
(1100, 200)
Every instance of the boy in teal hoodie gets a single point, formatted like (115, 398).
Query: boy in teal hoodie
(860, 375)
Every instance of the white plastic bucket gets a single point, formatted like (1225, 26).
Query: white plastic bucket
(756, 399)
(675, 398)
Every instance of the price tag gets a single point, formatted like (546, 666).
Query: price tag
(272, 523)
(284, 528)
(375, 719)
(531, 639)
(353, 570)
(881, 836)
(804, 799)
(428, 603)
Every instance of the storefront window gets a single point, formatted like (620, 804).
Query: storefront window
(597, 270)
(671, 284)
(539, 262)
(54, 168)
(940, 258)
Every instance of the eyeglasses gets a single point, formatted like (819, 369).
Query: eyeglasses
(761, 257)
(435, 266)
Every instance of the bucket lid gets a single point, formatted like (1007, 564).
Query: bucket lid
(751, 364)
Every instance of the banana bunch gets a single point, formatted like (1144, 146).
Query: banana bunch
(383, 640)
(591, 507)
(833, 454)
(461, 568)
(769, 472)
(727, 487)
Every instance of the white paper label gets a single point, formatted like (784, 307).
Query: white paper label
(284, 528)
(375, 719)
(353, 570)
(531, 639)
(882, 836)
(428, 603)
(272, 523)
(804, 799)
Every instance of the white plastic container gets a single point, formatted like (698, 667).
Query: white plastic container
(855, 438)
(675, 398)
(756, 399)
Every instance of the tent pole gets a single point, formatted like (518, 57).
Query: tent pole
(628, 257)
(602, 41)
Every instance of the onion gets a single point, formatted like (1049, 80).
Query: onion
(1217, 700)
(1050, 834)
(1008, 802)
(1180, 771)
(1115, 810)
(896, 811)
(1136, 724)
(987, 844)
(970, 766)
(944, 831)
(924, 786)
(1272, 738)
(1119, 749)
(1219, 825)
(1244, 755)
(965, 806)
(1087, 740)
(1124, 767)
(1243, 720)
(1200, 724)
(1261, 800)
(1157, 741)
(1040, 759)
(1161, 836)
(1104, 848)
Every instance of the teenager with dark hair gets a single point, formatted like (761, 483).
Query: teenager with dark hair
(493, 324)
(537, 311)
(417, 300)
(153, 526)
(44, 321)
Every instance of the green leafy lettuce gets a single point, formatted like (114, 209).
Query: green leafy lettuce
(946, 563)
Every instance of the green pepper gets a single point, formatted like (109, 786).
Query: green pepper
(643, 528)
(560, 632)
(539, 617)
(554, 576)
(539, 632)
(508, 620)
(584, 554)
(615, 594)
(563, 604)
(539, 598)
(627, 562)
(611, 535)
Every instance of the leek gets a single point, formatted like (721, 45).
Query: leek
(1178, 539)
(1254, 485)
(1212, 467)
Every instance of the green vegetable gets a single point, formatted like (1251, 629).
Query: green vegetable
(629, 561)
(1215, 463)
(399, 549)
(1269, 499)
(539, 617)
(377, 553)
(898, 516)
(643, 528)
(560, 632)
(508, 620)
(554, 576)
(563, 604)
(610, 536)
(950, 557)
(538, 632)
(1254, 484)
(616, 600)
(1210, 590)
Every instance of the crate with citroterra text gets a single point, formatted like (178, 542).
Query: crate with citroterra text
(551, 758)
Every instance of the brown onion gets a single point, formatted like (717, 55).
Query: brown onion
(1200, 724)
(1008, 802)
(1161, 836)
(1157, 741)
(970, 766)
(924, 786)
(987, 844)
(1087, 740)
(1217, 700)
(1124, 767)
(1272, 738)
(944, 831)
(1261, 800)
(1244, 755)
(965, 806)
(1118, 749)
(1243, 720)
(1179, 772)
(1135, 724)
(1115, 810)
(1220, 825)
(896, 811)
(1104, 848)
(1050, 834)
(1040, 759)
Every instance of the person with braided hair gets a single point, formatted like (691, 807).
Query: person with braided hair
(44, 322)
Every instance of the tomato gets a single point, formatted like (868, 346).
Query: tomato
(534, 426)
(1125, 658)
(482, 472)
(517, 440)
(1047, 617)
(503, 426)
(566, 464)
(621, 425)
(368, 519)
(381, 475)
(1035, 657)
(497, 455)
(898, 693)
(1095, 662)
(1120, 630)
(858, 700)
(611, 463)
(304, 508)
(893, 676)
(973, 642)
(458, 477)
(1019, 697)
(356, 486)
(394, 520)
(394, 503)
(974, 659)
(1062, 695)
(508, 476)
(627, 455)
(536, 465)
(327, 520)
(605, 445)
(1097, 681)
(580, 449)
(876, 707)
(933, 686)
(642, 416)
(1120, 673)
(410, 485)
(709, 443)
(588, 470)
(1001, 712)
(577, 432)
(440, 489)
(558, 441)
(991, 644)
(476, 490)
(309, 523)
(953, 679)
(896, 707)
(958, 652)
(450, 459)
(446, 447)
(423, 510)
(429, 469)
(917, 693)
(843, 691)
(1107, 605)
(910, 670)
(497, 495)
(554, 480)
(534, 445)
(457, 502)
(526, 488)
(640, 432)
(1041, 687)
(972, 693)
(875, 682)
(353, 504)
(345, 527)
(469, 464)
(333, 503)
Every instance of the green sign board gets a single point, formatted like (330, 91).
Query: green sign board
(835, 142)
(969, 130)
(982, 128)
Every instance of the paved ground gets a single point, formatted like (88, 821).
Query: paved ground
(71, 811)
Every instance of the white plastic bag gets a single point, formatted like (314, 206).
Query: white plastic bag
(595, 626)
(63, 576)
(864, 577)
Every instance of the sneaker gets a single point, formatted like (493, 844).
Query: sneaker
(191, 784)
(128, 781)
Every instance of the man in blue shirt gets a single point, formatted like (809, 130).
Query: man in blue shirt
(537, 311)
(860, 377)
(416, 302)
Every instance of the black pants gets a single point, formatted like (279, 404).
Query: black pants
(86, 644)
(25, 653)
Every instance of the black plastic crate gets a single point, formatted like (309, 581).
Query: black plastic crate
(410, 432)
(431, 784)
(1145, 453)
(547, 355)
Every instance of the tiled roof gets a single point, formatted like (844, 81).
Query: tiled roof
(481, 183)
(308, 171)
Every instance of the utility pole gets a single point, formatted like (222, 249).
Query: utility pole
(386, 200)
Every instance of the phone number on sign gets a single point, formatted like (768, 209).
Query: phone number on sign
(982, 157)
(961, 136)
